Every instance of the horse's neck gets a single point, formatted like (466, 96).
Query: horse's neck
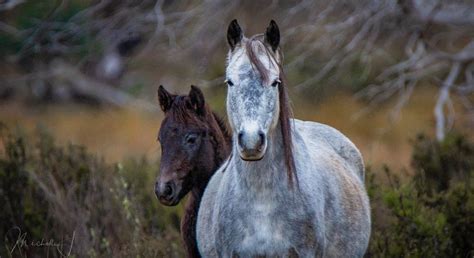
(220, 144)
(221, 141)
(223, 129)
(269, 173)
(188, 223)
(189, 220)
(221, 151)
(192, 204)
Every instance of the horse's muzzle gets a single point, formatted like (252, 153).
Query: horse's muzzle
(252, 146)
(167, 193)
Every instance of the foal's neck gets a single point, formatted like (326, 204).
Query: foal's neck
(220, 140)
(220, 143)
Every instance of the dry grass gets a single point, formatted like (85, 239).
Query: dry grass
(112, 133)
(381, 139)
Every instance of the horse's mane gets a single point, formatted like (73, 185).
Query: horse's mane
(223, 125)
(181, 111)
(252, 45)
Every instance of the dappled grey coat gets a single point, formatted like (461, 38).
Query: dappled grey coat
(327, 216)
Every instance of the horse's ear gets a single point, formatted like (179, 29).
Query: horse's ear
(164, 98)
(272, 35)
(234, 34)
(197, 100)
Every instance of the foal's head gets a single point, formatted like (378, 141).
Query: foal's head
(190, 137)
(256, 97)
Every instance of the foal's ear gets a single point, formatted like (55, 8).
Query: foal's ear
(164, 98)
(272, 35)
(234, 34)
(197, 100)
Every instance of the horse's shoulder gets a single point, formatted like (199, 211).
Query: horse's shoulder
(323, 134)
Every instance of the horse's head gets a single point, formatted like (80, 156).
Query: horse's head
(254, 82)
(185, 144)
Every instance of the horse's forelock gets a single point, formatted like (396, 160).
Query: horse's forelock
(254, 46)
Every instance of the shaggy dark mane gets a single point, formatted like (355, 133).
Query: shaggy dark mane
(252, 46)
(180, 110)
(224, 128)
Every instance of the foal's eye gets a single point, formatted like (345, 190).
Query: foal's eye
(191, 138)
(229, 82)
(276, 83)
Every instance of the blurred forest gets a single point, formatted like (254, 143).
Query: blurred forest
(79, 118)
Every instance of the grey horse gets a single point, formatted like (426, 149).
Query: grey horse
(290, 188)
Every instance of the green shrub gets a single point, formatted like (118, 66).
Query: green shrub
(436, 165)
(433, 214)
(65, 194)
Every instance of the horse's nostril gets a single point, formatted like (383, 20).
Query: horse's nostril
(168, 191)
(240, 137)
(261, 136)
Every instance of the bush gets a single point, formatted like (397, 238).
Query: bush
(433, 214)
(62, 197)
(65, 194)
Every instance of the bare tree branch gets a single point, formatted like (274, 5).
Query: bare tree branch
(443, 98)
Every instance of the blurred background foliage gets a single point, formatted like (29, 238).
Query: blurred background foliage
(67, 195)
(431, 215)
(78, 82)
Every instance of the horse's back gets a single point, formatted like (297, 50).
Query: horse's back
(332, 138)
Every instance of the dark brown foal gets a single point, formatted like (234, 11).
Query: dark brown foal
(194, 143)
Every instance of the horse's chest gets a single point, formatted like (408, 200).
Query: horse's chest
(265, 227)
(262, 228)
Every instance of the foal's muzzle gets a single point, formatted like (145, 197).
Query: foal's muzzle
(167, 193)
(252, 145)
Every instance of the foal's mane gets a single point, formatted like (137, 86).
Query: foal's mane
(223, 126)
(182, 111)
(286, 114)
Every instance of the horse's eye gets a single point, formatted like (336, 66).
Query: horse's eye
(276, 83)
(191, 138)
(229, 82)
